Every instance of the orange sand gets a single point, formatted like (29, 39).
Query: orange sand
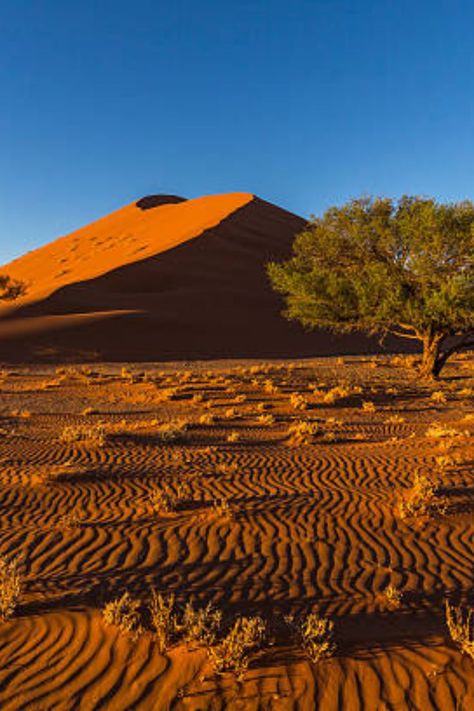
(314, 528)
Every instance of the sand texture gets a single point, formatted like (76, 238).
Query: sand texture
(311, 526)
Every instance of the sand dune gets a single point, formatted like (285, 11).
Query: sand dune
(180, 280)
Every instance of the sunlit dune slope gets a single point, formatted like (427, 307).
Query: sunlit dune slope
(163, 279)
(135, 232)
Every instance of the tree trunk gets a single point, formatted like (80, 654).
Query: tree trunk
(431, 363)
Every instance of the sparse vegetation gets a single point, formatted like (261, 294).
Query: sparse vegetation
(418, 500)
(200, 625)
(460, 622)
(172, 431)
(124, 613)
(316, 635)
(163, 618)
(302, 433)
(232, 653)
(162, 501)
(11, 586)
(392, 596)
(93, 435)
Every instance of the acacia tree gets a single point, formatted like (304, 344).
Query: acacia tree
(383, 266)
(10, 289)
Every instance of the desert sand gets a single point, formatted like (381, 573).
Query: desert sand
(163, 279)
(307, 526)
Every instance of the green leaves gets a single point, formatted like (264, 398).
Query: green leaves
(380, 265)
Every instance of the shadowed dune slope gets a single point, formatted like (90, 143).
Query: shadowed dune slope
(163, 278)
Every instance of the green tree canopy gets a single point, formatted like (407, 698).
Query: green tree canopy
(380, 265)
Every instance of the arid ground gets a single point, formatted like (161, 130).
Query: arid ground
(200, 480)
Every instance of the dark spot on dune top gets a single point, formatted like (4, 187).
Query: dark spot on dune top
(150, 201)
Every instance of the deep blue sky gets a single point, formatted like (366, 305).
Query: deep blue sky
(305, 103)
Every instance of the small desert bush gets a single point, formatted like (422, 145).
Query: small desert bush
(69, 521)
(172, 431)
(262, 406)
(418, 499)
(368, 406)
(233, 437)
(395, 420)
(200, 626)
(230, 414)
(460, 624)
(438, 397)
(11, 585)
(265, 420)
(93, 435)
(438, 431)
(392, 596)
(221, 509)
(298, 402)
(232, 652)
(270, 387)
(301, 433)
(163, 619)
(162, 501)
(339, 392)
(124, 613)
(207, 419)
(316, 636)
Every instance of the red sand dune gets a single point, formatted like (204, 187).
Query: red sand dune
(163, 278)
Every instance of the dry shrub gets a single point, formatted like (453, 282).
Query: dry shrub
(221, 509)
(395, 420)
(265, 420)
(339, 392)
(316, 636)
(460, 622)
(437, 431)
(392, 596)
(163, 619)
(207, 419)
(200, 626)
(162, 501)
(172, 431)
(124, 613)
(233, 437)
(230, 414)
(368, 406)
(270, 387)
(262, 406)
(418, 500)
(232, 652)
(93, 435)
(439, 397)
(302, 433)
(298, 402)
(11, 586)
(69, 521)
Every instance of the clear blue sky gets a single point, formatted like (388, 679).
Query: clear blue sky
(305, 103)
